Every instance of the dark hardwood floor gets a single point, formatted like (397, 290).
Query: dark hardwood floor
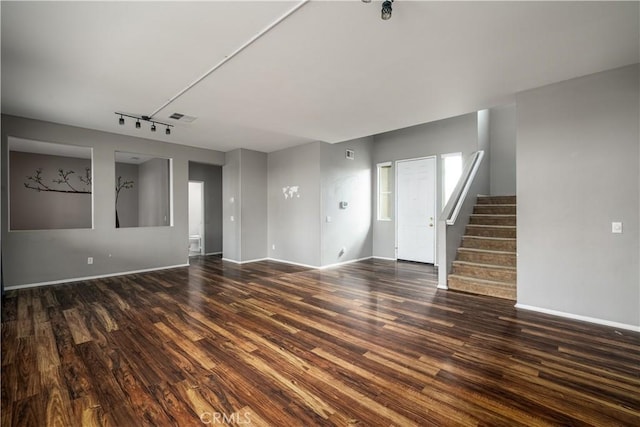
(371, 343)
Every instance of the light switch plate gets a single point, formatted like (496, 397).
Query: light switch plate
(616, 227)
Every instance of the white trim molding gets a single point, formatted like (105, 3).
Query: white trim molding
(100, 276)
(322, 267)
(293, 263)
(245, 262)
(384, 258)
(337, 264)
(618, 325)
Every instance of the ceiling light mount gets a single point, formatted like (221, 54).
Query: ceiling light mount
(144, 119)
(386, 10)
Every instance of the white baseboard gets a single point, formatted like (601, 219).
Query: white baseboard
(245, 262)
(384, 258)
(293, 263)
(579, 317)
(337, 264)
(441, 286)
(100, 276)
(321, 267)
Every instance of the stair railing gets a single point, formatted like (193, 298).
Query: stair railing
(459, 194)
(449, 233)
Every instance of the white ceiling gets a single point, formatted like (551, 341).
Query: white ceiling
(332, 71)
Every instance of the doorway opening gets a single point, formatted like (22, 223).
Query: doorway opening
(196, 218)
(416, 210)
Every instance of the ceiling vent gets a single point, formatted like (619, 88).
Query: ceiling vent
(182, 117)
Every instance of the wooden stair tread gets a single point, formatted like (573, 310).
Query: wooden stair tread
(492, 226)
(488, 237)
(480, 265)
(486, 260)
(483, 281)
(489, 251)
(492, 215)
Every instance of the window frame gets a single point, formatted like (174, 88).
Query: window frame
(388, 192)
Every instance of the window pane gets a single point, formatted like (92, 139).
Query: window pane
(452, 169)
(384, 192)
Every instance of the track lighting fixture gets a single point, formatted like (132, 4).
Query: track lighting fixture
(386, 9)
(145, 119)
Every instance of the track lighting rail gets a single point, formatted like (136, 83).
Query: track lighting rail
(145, 119)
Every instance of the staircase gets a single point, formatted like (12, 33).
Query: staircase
(486, 260)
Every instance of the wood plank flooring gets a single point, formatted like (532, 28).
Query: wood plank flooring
(267, 344)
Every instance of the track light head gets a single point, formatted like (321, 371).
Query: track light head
(386, 10)
(168, 131)
(121, 121)
(138, 124)
(153, 127)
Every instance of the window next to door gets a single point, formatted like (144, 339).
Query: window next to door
(451, 171)
(384, 192)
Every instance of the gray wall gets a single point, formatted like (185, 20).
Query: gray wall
(502, 133)
(40, 210)
(231, 206)
(211, 175)
(62, 254)
(253, 175)
(153, 193)
(483, 177)
(128, 198)
(457, 134)
(577, 168)
(294, 222)
(350, 181)
(244, 193)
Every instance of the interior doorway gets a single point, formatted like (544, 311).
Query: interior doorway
(416, 210)
(196, 218)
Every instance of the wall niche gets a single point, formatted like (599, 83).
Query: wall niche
(50, 186)
(143, 190)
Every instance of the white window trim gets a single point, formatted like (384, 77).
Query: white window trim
(379, 166)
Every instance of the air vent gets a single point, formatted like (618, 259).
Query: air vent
(182, 117)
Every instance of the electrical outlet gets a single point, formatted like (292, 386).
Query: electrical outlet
(273, 247)
(616, 227)
(90, 260)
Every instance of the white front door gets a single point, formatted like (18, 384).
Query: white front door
(416, 209)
